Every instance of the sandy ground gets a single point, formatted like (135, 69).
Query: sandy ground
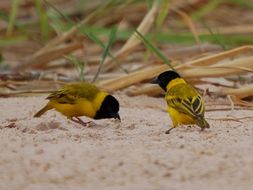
(53, 153)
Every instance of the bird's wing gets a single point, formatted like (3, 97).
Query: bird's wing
(187, 101)
(69, 94)
(63, 96)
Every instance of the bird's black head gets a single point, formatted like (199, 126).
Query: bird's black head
(164, 78)
(108, 109)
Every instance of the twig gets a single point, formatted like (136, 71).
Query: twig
(225, 119)
(231, 102)
(229, 108)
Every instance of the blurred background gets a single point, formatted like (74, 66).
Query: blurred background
(123, 43)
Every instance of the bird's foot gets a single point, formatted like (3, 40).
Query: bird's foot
(81, 122)
(168, 131)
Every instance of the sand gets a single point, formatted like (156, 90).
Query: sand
(53, 153)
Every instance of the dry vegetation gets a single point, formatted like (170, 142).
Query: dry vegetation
(53, 42)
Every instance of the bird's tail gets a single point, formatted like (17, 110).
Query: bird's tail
(42, 111)
(201, 122)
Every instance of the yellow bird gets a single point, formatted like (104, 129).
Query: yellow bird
(185, 104)
(82, 99)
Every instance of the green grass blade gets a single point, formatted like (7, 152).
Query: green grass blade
(217, 38)
(94, 38)
(155, 50)
(206, 9)
(12, 17)
(5, 41)
(79, 65)
(164, 10)
(112, 37)
(65, 17)
(43, 19)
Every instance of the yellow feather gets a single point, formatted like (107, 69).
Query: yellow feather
(179, 118)
(81, 107)
(185, 104)
(79, 99)
(175, 82)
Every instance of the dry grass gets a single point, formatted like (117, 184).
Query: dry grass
(129, 65)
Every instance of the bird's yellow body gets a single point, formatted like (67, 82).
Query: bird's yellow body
(185, 104)
(176, 116)
(82, 99)
(81, 107)
(179, 118)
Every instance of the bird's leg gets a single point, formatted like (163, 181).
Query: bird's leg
(168, 131)
(75, 120)
(80, 121)
(87, 124)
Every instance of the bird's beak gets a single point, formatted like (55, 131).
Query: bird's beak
(154, 81)
(116, 116)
